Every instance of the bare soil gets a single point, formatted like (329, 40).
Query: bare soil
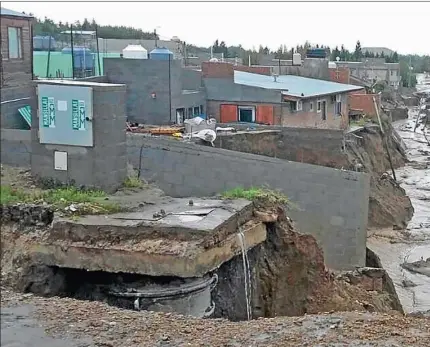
(100, 325)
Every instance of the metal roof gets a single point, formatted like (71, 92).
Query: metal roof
(6, 12)
(79, 32)
(293, 85)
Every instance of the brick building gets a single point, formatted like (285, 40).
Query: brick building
(253, 96)
(16, 70)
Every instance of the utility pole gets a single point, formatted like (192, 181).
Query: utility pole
(155, 37)
(410, 71)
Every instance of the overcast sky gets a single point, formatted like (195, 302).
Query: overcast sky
(402, 26)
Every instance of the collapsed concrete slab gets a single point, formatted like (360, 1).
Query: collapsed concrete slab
(178, 238)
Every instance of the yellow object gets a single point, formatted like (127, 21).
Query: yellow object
(177, 135)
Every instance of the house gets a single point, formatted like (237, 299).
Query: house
(16, 48)
(373, 69)
(16, 70)
(159, 92)
(254, 96)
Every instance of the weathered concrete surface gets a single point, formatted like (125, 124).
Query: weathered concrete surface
(150, 257)
(181, 243)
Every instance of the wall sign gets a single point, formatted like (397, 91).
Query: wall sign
(48, 112)
(78, 115)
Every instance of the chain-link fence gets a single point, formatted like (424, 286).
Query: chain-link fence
(69, 54)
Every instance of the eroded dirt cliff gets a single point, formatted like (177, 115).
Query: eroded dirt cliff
(289, 278)
(389, 206)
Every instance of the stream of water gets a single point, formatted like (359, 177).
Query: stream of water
(246, 273)
(413, 289)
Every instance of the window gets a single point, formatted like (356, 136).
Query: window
(247, 114)
(319, 106)
(201, 109)
(311, 106)
(391, 72)
(190, 112)
(338, 105)
(296, 106)
(14, 41)
(196, 111)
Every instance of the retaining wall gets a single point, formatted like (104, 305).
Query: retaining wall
(332, 204)
(302, 145)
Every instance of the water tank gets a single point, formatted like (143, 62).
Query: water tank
(160, 54)
(134, 52)
(41, 43)
(297, 59)
(316, 53)
(82, 56)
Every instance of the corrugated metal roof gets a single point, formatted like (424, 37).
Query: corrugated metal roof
(7, 12)
(293, 85)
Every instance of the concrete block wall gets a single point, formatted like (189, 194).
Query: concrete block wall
(296, 144)
(103, 166)
(332, 204)
(144, 77)
(15, 147)
(12, 99)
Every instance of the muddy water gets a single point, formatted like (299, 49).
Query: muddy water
(413, 289)
(18, 329)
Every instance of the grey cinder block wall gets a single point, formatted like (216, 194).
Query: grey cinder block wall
(332, 204)
(15, 147)
(144, 77)
(102, 166)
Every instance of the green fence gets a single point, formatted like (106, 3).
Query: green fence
(63, 63)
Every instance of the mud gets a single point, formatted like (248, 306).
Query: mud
(96, 324)
(389, 205)
(19, 328)
(412, 244)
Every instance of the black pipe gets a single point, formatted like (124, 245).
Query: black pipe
(73, 58)
(49, 57)
(98, 53)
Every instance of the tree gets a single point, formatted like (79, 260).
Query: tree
(335, 53)
(358, 54)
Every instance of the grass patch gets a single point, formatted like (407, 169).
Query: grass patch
(86, 201)
(133, 182)
(257, 194)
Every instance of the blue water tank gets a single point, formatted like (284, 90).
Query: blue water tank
(82, 56)
(160, 54)
(316, 53)
(41, 43)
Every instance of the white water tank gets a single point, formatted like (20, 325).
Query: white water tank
(297, 59)
(135, 52)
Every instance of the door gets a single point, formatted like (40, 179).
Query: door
(324, 110)
(180, 115)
